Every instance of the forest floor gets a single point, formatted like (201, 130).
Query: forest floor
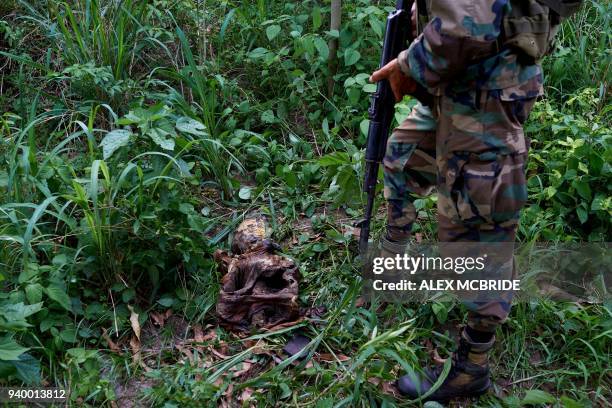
(136, 136)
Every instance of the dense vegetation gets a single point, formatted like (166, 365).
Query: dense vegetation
(134, 137)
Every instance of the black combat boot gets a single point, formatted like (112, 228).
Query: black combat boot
(468, 376)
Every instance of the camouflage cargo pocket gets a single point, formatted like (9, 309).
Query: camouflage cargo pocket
(529, 29)
(489, 191)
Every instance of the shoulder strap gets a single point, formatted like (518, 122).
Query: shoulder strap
(563, 7)
(421, 15)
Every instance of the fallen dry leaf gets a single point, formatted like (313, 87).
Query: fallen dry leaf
(251, 343)
(186, 352)
(283, 325)
(135, 346)
(374, 380)
(390, 388)
(111, 344)
(198, 335)
(246, 367)
(246, 395)
(223, 348)
(136, 354)
(211, 335)
(260, 350)
(218, 354)
(330, 358)
(134, 322)
(228, 394)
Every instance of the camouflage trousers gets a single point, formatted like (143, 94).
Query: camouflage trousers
(472, 149)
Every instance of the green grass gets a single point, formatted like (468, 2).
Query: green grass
(135, 136)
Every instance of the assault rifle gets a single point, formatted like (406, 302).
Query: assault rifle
(398, 35)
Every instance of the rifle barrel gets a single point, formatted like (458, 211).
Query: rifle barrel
(382, 109)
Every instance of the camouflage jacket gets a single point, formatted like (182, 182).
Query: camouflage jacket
(458, 51)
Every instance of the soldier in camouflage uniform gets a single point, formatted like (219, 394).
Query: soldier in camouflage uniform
(470, 146)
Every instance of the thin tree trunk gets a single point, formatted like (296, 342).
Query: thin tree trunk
(336, 16)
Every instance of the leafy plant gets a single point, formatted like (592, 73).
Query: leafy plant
(570, 170)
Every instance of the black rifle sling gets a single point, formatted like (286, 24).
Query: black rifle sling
(422, 12)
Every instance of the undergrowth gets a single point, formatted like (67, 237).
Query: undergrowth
(136, 135)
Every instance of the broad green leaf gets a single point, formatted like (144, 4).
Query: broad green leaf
(58, 294)
(351, 57)
(13, 316)
(316, 18)
(60, 260)
(599, 202)
(10, 350)
(273, 31)
(290, 178)
(114, 140)
(432, 404)
(535, 397)
(257, 53)
(369, 88)
(350, 81)
(583, 188)
(377, 26)
(354, 95)
(567, 402)
(334, 159)
(320, 247)
(166, 301)
(69, 335)
(28, 369)
(364, 127)
(268, 116)
(30, 270)
(34, 292)
(81, 355)
(188, 125)
(245, 193)
(159, 136)
(322, 47)
(583, 214)
(440, 311)
(131, 118)
(128, 295)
